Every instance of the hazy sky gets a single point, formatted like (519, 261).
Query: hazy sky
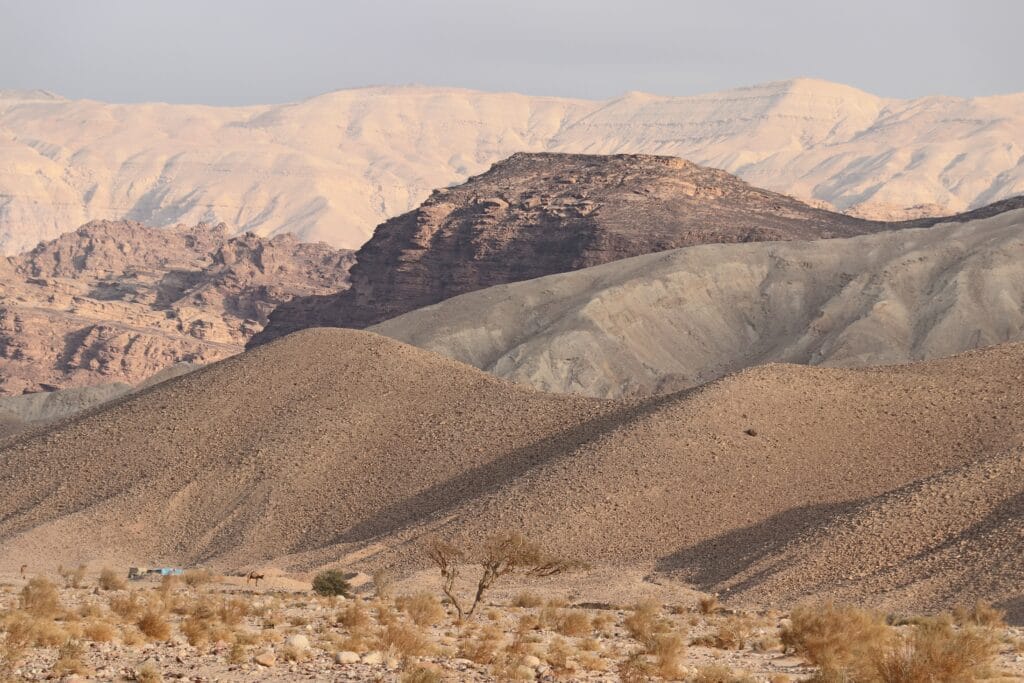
(235, 52)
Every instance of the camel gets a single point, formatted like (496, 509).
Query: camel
(253, 576)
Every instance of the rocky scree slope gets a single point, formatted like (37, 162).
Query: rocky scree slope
(663, 322)
(335, 446)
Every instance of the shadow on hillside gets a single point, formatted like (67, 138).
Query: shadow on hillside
(708, 563)
(487, 478)
(1014, 610)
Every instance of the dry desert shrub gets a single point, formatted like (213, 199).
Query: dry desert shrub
(195, 630)
(359, 624)
(511, 668)
(527, 600)
(297, 620)
(558, 654)
(110, 580)
(383, 583)
(69, 660)
(40, 598)
(385, 614)
(238, 654)
(194, 578)
(981, 613)
(835, 637)
(73, 578)
(717, 673)
(16, 636)
(668, 651)
(90, 610)
(406, 639)
(132, 637)
(645, 622)
(603, 623)
(99, 631)
(591, 661)
(48, 633)
(548, 616)
(558, 602)
(168, 585)
(708, 605)
(933, 652)
(423, 608)
(203, 607)
(355, 616)
(149, 673)
(525, 640)
(527, 623)
(574, 623)
(154, 625)
(732, 634)
(232, 611)
(128, 606)
(482, 647)
(636, 669)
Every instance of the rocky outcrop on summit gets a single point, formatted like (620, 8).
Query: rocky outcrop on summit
(537, 214)
(116, 301)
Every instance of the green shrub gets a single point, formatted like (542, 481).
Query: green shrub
(331, 582)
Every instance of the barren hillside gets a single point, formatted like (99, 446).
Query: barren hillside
(336, 445)
(946, 539)
(668, 321)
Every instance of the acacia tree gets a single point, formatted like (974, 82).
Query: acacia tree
(497, 556)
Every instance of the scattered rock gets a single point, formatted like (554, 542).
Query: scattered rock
(266, 658)
(298, 641)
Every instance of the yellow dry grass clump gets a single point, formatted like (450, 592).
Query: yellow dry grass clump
(850, 643)
(110, 580)
(40, 598)
(423, 608)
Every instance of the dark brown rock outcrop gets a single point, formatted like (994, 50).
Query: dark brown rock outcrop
(537, 214)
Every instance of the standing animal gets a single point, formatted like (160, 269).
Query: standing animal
(253, 576)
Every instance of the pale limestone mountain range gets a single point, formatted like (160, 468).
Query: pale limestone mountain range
(332, 167)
